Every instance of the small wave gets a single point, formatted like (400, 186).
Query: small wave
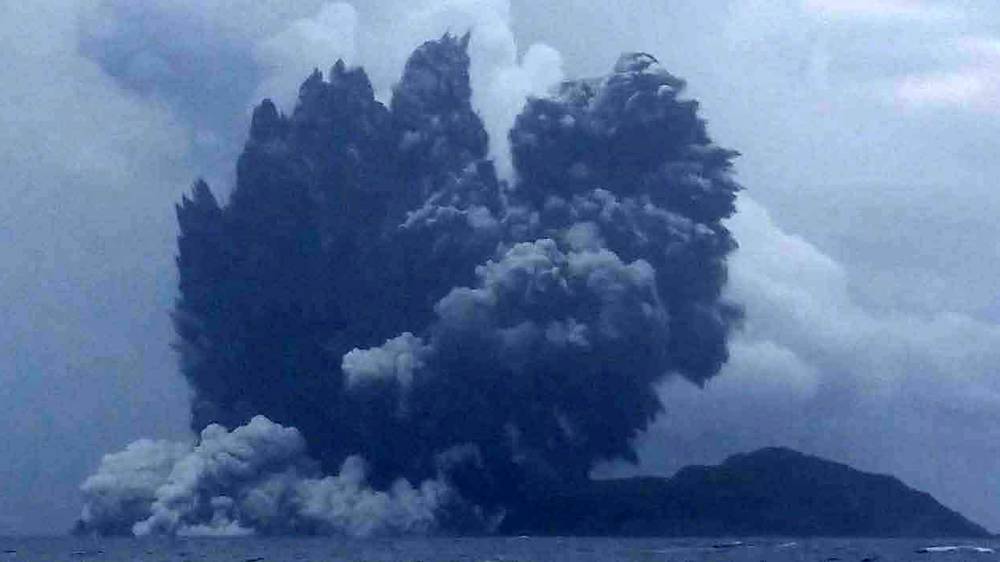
(724, 545)
(936, 549)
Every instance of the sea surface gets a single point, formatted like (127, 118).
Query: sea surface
(494, 550)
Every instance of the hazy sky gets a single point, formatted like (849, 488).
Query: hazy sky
(869, 244)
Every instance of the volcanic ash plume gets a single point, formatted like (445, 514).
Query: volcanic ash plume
(442, 341)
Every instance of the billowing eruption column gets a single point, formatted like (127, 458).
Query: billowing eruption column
(374, 285)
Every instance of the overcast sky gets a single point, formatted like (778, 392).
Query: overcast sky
(869, 243)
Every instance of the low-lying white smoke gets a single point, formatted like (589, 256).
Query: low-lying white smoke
(254, 479)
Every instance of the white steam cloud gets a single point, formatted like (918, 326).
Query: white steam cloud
(305, 44)
(501, 79)
(256, 478)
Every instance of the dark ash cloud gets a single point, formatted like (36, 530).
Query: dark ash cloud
(374, 284)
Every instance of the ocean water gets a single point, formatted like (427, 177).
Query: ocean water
(493, 550)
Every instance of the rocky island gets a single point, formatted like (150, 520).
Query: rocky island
(770, 492)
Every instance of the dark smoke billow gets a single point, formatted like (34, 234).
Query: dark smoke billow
(442, 341)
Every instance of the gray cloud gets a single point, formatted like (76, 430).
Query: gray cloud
(907, 393)
(210, 68)
(89, 173)
(826, 148)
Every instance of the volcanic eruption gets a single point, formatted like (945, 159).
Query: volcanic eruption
(382, 335)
